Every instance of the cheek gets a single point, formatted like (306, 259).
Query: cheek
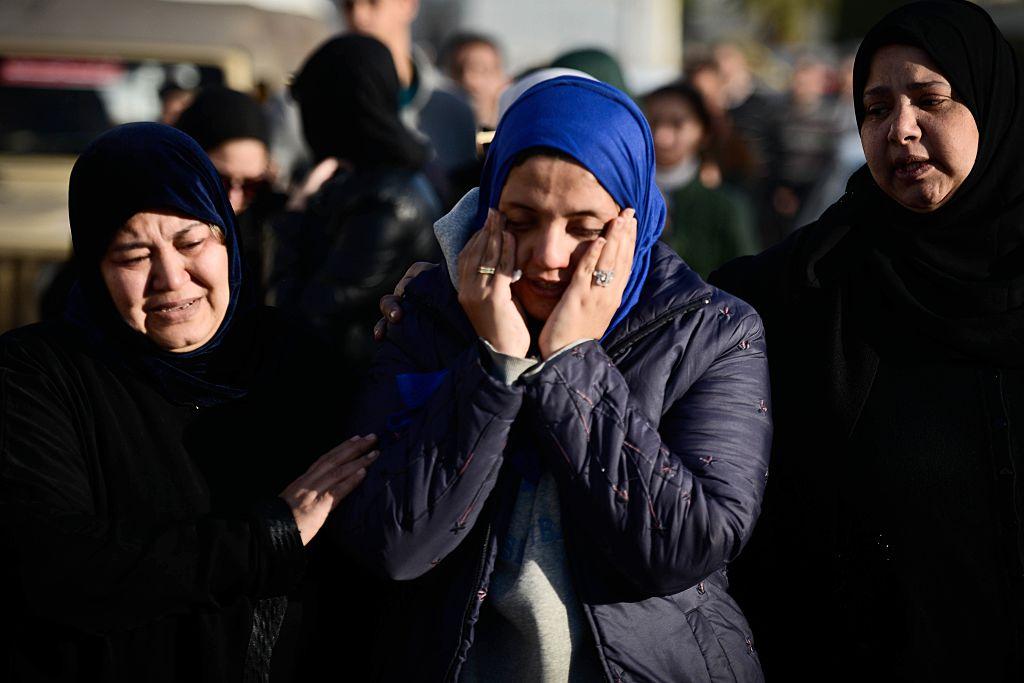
(126, 287)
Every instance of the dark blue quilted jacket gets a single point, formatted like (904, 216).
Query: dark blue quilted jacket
(658, 439)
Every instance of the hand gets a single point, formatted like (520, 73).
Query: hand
(586, 308)
(391, 304)
(320, 174)
(327, 481)
(487, 299)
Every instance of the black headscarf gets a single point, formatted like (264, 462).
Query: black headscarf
(145, 167)
(218, 114)
(954, 275)
(348, 94)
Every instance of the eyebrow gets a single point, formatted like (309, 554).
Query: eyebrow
(574, 214)
(128, 246)
(919, 85)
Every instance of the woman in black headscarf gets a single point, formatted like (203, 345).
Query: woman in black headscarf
(891, 544)
(347, 240)
(147, 442)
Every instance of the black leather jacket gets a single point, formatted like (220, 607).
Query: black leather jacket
(358, 234)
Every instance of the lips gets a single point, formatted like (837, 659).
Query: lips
(546, 289)
(173, 311)
(912, 168)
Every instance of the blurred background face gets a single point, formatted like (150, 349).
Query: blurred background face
(477, 68)
(242, 165)
(810, 81)
(168, 278)
(708, 82)
(678, 132)
(919, 141)
(388, 21)
(554, 207)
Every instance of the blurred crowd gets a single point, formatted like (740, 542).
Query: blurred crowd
(374, 141)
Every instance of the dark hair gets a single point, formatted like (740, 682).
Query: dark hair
(455, 43)
(689, 94)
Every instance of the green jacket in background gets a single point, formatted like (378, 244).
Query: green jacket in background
(708, 227)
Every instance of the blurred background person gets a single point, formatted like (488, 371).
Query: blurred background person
(595, 62)
(807, 135)
(368, 208)
(430, 103)
(727, 156)
(753, 108)
(475, 62)
(707, 226)
(849, 154)
(232, 129)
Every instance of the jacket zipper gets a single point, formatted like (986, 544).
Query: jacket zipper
(474, 597)
(620, 347)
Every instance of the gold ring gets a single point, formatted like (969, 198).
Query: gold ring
(486, 270)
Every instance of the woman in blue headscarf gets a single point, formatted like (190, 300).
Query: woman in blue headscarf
(147, 441)
(576, 426)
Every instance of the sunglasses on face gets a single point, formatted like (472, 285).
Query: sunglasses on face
(250, 187)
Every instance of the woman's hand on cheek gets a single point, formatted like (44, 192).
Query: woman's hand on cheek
(587, 308)
(486, 297)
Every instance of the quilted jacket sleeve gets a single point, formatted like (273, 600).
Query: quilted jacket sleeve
(443, 432)
(672, 502)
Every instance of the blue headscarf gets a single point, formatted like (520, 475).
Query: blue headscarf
(145, 167)
(602, 129)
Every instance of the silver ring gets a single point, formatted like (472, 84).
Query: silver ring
(486, 270)
(603, 278)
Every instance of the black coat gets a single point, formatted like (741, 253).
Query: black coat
(657, 438)
(141, 537)
(359, 233)
(890, 546)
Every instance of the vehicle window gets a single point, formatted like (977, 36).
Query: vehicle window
(57, 105)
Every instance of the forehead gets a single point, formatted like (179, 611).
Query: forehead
(557, 185)
(241, 156)
(477, 51)
(668, 104)
(155, 223)
(901, 66)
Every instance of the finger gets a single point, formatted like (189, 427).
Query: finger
(329, 477)
(588, 262)
(391, 307)
(492, 247)
(609, 254)
(507, 258)
(340, 491)
(350, 450)
(627, 249)
(380, 330)
(469, 257)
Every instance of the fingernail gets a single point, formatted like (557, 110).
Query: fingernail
(370, 436)
(393, 315)
(517, 275)
(361, 472)
(357, 438)
(372, 455)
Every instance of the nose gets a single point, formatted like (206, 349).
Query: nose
(236, 196)
(552, 249)
(167, 272)
(904, 126)
(663, 137)
(358, 14)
